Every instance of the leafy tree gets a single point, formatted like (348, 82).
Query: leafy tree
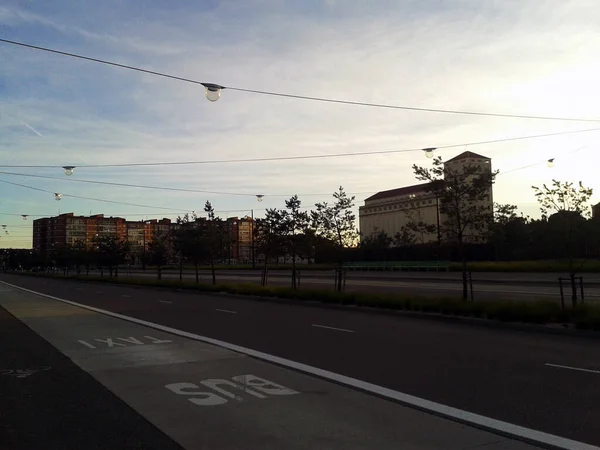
(377, 240)
(405, 237)
(570, 207)
(294, 224)
(267, 238)
(417, 225)
(158, 248)
(190, 241)
(212, 237)
(111, 251)
(79, 254)
(337, 223)
(461, 192)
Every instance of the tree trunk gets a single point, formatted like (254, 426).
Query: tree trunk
(338, 281)
(159, 271)
(180, 269)
(465, 285)
(101, 272)
(214, 273)
(573, 284)
(294, 285)
(197, 275)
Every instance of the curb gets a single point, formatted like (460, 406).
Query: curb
(554, 329)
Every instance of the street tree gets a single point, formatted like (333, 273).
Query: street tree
(159, 251)
(190, 242)
(111, 252)
(337, 223)
(293, 227)
(419, 227)
(212, 237)
(569, 205)
(267, 238)
(462, 192)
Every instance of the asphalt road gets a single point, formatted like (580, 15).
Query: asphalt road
(45, 401)
(545, 382)
(434, 284)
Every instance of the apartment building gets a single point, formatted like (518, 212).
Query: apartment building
(389, 211)
(68, 229)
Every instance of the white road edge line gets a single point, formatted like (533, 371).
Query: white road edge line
(332, 328)
(165, 301)
(579, 369)
(226, 311)
(487, 423)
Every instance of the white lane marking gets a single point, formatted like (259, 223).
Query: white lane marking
(332, 328)
(165, 302)
(226, 311)
(87, 344)
(460, 415)
(579, 369)
(125, 296)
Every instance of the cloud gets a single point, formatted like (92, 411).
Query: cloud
(492, 56)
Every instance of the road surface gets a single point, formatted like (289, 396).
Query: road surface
(107, 382)
(539, 381)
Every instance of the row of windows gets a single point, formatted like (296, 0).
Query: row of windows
(395, 207)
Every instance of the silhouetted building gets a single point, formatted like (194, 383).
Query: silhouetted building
(390, 211)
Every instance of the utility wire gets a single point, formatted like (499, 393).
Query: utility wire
(293, 96)
(161, 188)
(87, 198)
(327, 155)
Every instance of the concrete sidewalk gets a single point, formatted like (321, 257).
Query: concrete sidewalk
(207, 397)
(47, 402)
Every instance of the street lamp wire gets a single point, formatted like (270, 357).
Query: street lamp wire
(88, 198)
(163, 188)
(299, 157)
(294, 96)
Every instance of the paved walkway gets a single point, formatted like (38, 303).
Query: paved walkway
(202, 396)
(48, 402)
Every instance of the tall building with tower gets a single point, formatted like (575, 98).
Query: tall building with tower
(389, 211)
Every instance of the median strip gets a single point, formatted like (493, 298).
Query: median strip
(581, 317)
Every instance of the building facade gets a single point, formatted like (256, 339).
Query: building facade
(596, 212)
(68, 230)
(392, 210)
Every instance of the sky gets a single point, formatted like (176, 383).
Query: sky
(524, 57)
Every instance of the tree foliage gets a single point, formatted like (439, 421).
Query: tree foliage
(462, 192)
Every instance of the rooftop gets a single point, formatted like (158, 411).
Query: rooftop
(466, 155)
(407, 190)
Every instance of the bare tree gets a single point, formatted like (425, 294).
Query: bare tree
(461, 192)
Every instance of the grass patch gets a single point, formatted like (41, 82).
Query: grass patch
(537, 312)
(592, 266)
(528, 266)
